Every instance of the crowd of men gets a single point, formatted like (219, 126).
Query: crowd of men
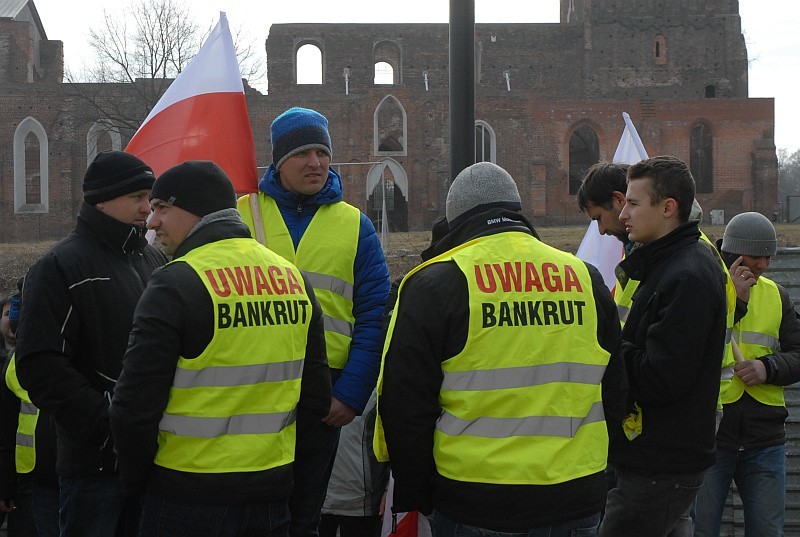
(202, 388)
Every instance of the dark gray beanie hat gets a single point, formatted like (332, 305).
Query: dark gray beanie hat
(750, 234)
(478, 188)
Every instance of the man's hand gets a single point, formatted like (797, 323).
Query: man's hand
(751, 372)
(340, 414)
(7, 506)
(743, 279)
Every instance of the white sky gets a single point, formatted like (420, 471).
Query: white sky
(771, 29)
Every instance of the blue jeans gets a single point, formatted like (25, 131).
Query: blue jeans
(94, 506)
(167, 518)
(44, 500)
(655, 505)
(441, 526)
(760, 476)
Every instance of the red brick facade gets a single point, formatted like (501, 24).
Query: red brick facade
(673, 66)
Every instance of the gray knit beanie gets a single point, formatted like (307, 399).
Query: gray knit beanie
(478, 188)
(750, 234)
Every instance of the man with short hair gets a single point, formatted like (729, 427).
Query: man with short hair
(78, 305)
(751, 439)
(299, 214)
(672, 344)
(227, 345)
(500, 375)
(602, 196)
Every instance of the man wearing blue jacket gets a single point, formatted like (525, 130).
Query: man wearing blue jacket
(299, 213)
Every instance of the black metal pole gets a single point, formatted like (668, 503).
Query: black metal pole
(462, 85)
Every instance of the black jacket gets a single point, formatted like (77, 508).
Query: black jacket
(746, 423)
(672, 344)
(432, 326)
(77, 308)
(175, 317)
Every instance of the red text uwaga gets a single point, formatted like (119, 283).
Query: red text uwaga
(523, 279)
(259, 289)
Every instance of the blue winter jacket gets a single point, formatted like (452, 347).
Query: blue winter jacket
(371, 285)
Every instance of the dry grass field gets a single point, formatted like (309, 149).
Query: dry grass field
(402, 254)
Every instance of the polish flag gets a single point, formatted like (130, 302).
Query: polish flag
(605, 251)
(203, 116)
(413, 524)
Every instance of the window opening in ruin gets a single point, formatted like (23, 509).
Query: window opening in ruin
(31, 193)
(389, 126)
(387, 60)
(485, 142)
(584, 151)
(711, 91)
(102, 136)
(309, 64)
(384, 73)
(701, 161)
(660, 50)
(387, 180)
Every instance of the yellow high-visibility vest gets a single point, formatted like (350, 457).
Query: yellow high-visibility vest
(233, 408)
(25, 449)
(757, 334)
(326, 254)
(524, 395)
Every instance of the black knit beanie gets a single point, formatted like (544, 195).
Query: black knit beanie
(197, 186)
(113, 174)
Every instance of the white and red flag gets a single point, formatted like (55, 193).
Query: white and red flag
(203, 116)
(412, 524)
(605, 251)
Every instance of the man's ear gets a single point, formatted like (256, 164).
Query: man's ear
(670, 207)
(618, 199)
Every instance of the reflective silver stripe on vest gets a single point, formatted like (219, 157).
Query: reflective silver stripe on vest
(239, 375)
(728, 334)
(518, 377)
(623, 312)
(757, 338)
(27, 408)
(560, 426)
(25, 440)
(330, 283)
(216, 427)
(340, 326)
(726, 373)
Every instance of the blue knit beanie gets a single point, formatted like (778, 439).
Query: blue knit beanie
(296, 130)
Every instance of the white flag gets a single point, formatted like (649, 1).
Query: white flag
(605, 251)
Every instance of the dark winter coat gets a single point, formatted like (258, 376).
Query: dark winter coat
(672, 344)
(175, 317)
(77, 309)
(432, 327)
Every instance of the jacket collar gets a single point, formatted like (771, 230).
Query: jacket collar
(271, 185)
(212, 228)
(482, 224)
(645, 258)
(119, 237)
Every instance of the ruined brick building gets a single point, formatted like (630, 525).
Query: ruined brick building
(549, 99)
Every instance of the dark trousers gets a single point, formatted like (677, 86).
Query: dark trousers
(44, 500)
(350, 526)
(95, 506)
(167, 518)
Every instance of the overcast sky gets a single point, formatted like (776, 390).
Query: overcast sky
(771, 29)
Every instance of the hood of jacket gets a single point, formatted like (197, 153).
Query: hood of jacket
(271, 185)
(121, 238)
(217, 226)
